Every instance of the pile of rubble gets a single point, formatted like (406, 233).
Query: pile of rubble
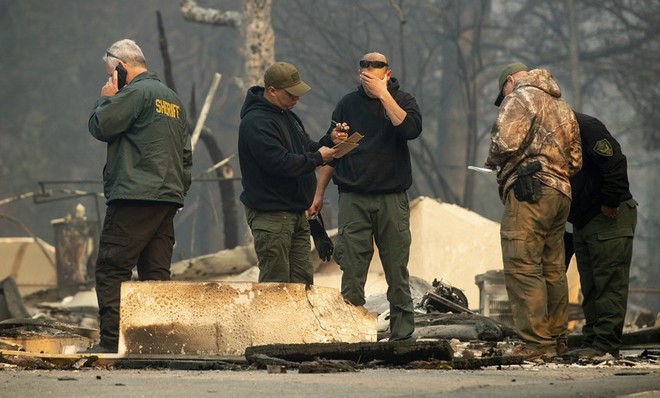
(47, 327)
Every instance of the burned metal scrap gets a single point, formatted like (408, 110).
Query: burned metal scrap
(445, 298)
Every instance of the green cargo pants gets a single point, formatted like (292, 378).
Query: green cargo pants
(534, 270)
(603, 249)
(385, 219)
(283, 246)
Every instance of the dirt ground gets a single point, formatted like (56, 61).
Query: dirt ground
(548, 380)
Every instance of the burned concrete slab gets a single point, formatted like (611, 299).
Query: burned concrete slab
(220, 318)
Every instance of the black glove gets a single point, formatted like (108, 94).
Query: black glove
(322, 242)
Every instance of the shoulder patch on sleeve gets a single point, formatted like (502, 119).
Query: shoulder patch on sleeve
(603, 147)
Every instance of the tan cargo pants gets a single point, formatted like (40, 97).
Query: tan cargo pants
(534, 270)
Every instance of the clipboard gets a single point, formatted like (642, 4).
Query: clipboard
(347, 145)
(481, 169)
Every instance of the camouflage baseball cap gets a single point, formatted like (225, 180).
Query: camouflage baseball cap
(506, 72)
(286, 76)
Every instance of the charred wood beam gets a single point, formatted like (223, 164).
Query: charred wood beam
(165, 54)
(477, 363)
(227, 190)
(175, 364)
(396, 352)
(263, 361)
(328, 366)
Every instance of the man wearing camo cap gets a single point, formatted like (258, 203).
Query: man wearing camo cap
(535, 146)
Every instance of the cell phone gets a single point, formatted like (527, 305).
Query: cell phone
(121, 77)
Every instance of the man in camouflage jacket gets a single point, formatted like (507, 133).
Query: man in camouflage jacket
(535, 124)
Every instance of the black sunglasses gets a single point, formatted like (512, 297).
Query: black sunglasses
(109, 54)
(375, 64)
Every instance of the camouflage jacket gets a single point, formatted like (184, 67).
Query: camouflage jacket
(534, 123)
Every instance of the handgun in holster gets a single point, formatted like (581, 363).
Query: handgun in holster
(526, 187)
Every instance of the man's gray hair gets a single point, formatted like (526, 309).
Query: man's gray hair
(126, 51)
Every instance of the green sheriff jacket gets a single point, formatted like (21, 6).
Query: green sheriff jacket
(149, 154)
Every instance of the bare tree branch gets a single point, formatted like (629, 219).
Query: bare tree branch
(192, 12)
(165, 54)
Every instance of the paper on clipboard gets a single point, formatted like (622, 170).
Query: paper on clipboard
(347, 145)
(481, 169)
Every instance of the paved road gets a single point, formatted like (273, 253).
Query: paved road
(516, 381)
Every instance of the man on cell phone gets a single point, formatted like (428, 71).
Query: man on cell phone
(145, 178)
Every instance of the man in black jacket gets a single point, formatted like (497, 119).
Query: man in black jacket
(278, 161)
(604, 215)
(373, 180)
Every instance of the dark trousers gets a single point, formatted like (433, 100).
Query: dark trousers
(384, 219)
(283, 246)
(603, 249)
(133, 235)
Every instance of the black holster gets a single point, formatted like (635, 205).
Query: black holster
(526, 187)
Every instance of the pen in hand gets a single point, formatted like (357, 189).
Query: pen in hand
(340, 126)
(340, 129)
